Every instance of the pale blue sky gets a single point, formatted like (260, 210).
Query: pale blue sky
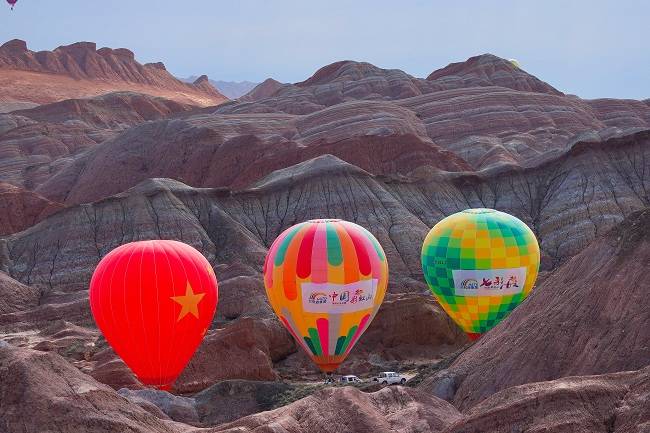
(589, 48)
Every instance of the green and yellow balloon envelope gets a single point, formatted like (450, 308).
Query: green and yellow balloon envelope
(480, 264)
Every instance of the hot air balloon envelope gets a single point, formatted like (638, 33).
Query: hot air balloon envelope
(326, 279)
(480, 264)
(154, 301)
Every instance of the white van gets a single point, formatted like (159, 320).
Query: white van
(350, 379)
(390, 378)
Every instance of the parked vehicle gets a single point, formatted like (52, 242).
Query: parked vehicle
(350, 379)
(390, 378)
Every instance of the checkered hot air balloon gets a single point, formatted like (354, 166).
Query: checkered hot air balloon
(480, 264)
(326, 279)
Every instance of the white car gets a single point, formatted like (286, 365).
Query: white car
(390, 378)
(350, 379)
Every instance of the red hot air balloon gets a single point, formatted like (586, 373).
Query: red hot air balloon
(12, 3)
(154, 301)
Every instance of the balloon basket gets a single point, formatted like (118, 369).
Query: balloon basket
(328, 368)
(167, 388)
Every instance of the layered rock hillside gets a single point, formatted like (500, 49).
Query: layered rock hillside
(481, 130)
(42, 391)
(81, 70)
(263, 90)
(567, 202)
(22, 208)
(37, 142)
(489, 70)
(589, 317)
(86, 171)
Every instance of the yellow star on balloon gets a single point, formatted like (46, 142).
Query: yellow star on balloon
(189, 302)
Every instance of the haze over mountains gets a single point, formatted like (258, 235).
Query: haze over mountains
(229, 89)
(118, 151)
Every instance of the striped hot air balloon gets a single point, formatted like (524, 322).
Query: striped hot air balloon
(326, 279)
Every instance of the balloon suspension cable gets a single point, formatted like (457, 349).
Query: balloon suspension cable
(166, 387)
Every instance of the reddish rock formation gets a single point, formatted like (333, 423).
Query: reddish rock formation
(43, 392)
(22, 209)
(616, 403)
(348, 80)
(106, 367)
(485, 110)
(567, 202)
(31, 141)
(74, 342)
(488, 70)
(410, 327)
(223, 402)
(80, 70)
(244, 350)
(233, 399)
(53, 306)
(394, 409)
(493, 127)
(163, 404)
(608, 403)
(333, 84)
(265, 89)
(119, 110)
(222, 151)
(203, 84)
(415, 127)
(15, 296)
(588, 317)
(369, 80)
(9, 106)
(601, 173)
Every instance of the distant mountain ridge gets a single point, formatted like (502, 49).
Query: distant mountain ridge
(82, 70)
(230, 89)
(348, 80)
